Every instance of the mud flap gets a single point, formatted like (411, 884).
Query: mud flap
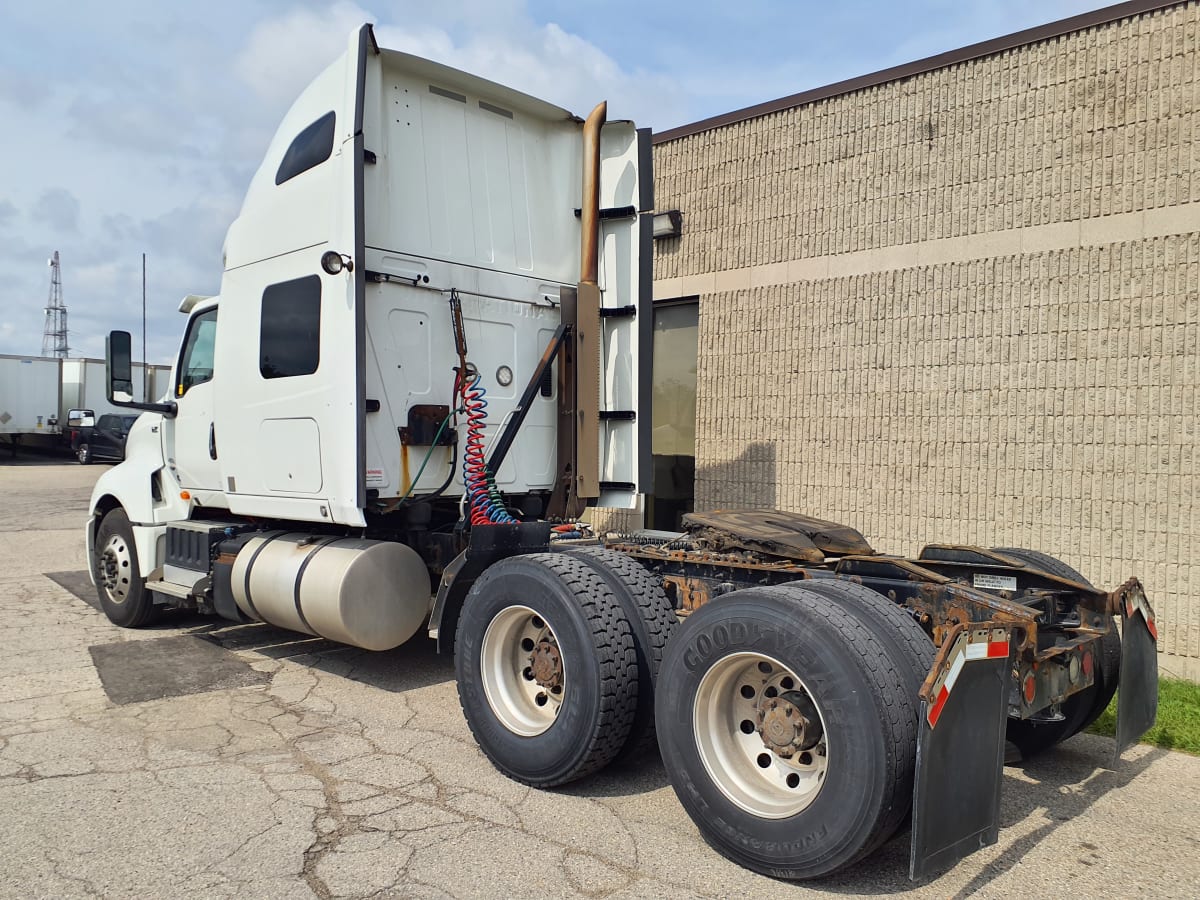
(960, 749)
(1137, 697)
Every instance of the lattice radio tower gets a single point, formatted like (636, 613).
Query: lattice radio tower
(54, 335)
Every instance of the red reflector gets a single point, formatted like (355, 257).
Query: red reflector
(1153, 629)
(1030, 687)
(936, 710)
(997, 648)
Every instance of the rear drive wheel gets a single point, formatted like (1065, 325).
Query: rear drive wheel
(119, 585)
(547, 673)
(84, 454)
(787, 730)
(652, 621)
(1079, 710)
(909, 647)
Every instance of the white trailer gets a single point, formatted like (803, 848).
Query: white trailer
(85, 386)
(30, 397)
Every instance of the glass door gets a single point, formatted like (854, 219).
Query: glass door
(673, 444)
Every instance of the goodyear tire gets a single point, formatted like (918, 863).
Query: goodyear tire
(746, 769)
(652, 621)
(119, 584)
(1079, 710)
(910, 648)
(547, 673)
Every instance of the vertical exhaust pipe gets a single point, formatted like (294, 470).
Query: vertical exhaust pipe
(587, 327)
(578, 477)
(589, 251)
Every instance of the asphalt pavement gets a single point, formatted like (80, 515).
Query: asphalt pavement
(197, 759)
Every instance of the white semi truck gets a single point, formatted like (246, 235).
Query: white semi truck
(428, 357)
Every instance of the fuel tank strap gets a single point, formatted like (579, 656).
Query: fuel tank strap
(300, 575)
(250, 568)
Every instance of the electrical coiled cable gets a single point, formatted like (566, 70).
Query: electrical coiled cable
(483, 497)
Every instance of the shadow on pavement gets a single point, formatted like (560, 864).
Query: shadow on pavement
(36, 456)
(623, 778)
(411, 665)
(1065, 783)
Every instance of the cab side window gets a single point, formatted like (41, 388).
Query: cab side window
(289, 337)
(196, 361)
(309, 149)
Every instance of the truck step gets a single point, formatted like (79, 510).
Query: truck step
(183, 592)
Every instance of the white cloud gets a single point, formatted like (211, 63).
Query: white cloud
(58, 208)
(498, 41)
(548, 62)
(282, 55)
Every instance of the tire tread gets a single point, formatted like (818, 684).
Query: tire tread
(612, 643)
(911, 651)
(652, 620)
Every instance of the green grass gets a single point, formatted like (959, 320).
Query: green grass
(1178, 724)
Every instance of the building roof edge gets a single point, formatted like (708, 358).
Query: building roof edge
(989, 47)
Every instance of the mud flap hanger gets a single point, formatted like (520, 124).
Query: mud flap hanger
(960, 747)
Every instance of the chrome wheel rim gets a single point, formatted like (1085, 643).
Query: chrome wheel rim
(523, 673)
(115, 569)
(745, 721)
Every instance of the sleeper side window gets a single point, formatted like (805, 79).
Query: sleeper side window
(289, 339)
(310, 148)
(196, 360)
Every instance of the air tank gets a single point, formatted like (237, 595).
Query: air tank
(369, 594)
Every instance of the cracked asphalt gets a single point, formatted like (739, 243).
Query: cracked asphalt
(335, 772)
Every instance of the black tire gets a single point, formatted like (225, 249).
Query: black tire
(1079, 710)
(906, 639)
(119, 584)
(1043, 561)
(84, 454)
(910, 648)
(591, 635)
(844, 666)
(652, 621)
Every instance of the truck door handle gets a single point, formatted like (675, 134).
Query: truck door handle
(212, 441)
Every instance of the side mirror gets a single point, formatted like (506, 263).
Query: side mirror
(118, 364)
(118, 359)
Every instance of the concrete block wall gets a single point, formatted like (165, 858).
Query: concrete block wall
(964, 306)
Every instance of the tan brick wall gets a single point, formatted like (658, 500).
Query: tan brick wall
(996, 377)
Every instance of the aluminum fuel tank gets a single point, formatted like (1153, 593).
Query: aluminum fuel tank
(369, 594)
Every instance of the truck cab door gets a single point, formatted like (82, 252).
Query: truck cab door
(189, 438)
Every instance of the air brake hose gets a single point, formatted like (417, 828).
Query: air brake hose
(483, 497)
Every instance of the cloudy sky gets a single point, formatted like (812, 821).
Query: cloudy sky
(134, 127)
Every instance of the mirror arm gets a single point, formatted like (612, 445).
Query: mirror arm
(167, 409)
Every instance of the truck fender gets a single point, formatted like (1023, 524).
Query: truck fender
(489, 544)
(149, 541)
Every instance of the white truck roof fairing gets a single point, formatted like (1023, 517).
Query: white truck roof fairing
(191, 301)
(429, 180)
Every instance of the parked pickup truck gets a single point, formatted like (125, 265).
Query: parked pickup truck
(104, 440)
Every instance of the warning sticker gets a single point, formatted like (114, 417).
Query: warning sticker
(375, 478)
(995, 582)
